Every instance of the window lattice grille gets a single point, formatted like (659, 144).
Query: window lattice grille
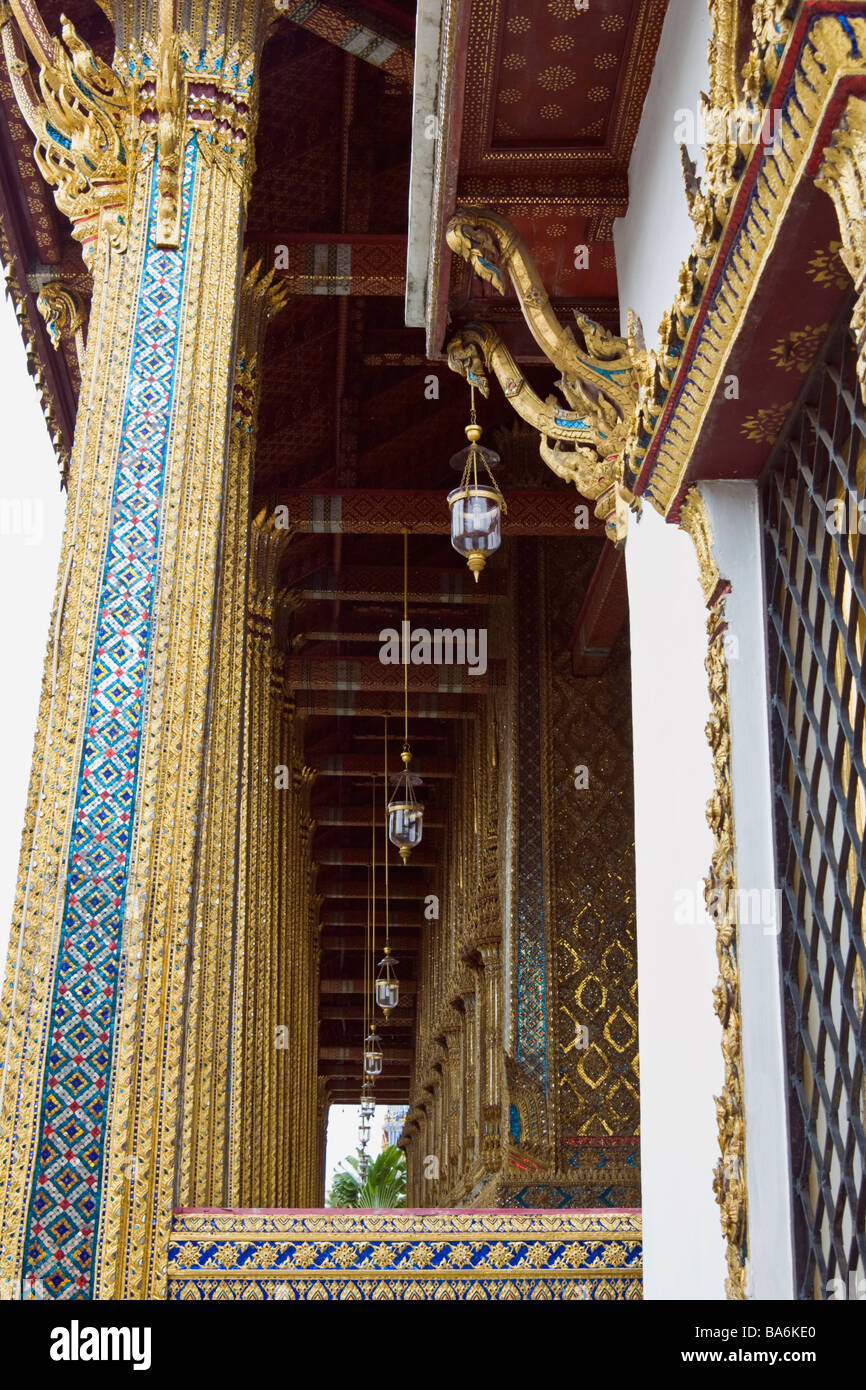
(815, 564)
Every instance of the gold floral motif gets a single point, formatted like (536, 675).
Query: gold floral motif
(796, 352)
(557, 78)
(563, 9)
(764, 426)
(827, 268)
(509, 1254)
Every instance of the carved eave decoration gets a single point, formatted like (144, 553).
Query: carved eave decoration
(583, 434)
(770, 249)
(92, 124)
(81, 120)
(796, 131)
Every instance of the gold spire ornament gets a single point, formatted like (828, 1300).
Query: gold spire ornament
(476, 508)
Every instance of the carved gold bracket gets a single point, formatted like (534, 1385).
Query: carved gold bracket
(82, 128)
(171, 110)
(843, 177)
(729, 1177)
(93, 124)
(581, 440)
(64, 315)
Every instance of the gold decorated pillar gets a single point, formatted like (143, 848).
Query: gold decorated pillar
(470, 1064)
(323, 1105)
(95, 993)
(219, 912)
(262, 1044)
(490, 1053)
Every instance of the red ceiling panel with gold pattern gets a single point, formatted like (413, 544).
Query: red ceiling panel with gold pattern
(551, 105)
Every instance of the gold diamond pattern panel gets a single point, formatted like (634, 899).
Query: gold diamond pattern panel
(594, 1057)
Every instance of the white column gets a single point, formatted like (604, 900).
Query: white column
(680, 1035)
(734, 516)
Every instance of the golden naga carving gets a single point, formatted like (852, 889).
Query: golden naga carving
(64, 314)
(582, 440)
(734, 118)
(82, 127)
(171, 111)
(93, 123)
(530, 1102)
(842, 177)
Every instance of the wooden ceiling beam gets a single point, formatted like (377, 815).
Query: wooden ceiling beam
(365, 704)
(383, 584)
(370, 512)
(602, 615)
(353, 29)
(369, 673)
(352, 986)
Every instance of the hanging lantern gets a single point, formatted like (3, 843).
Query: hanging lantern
(405, 816)
(387, 984)
(368, 1101)
(372, 1054)
(364, 1130)
(476, 505)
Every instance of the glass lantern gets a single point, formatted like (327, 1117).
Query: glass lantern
(387, 984)
(364, 1130)
(477, 505)
(405, 816)
(372, 1054)
(476, 524)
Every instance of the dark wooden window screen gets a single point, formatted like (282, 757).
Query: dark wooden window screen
(815, 568)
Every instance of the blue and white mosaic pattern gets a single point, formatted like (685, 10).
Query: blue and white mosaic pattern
(64, 1205)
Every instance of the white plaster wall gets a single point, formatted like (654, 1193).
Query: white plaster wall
(680, 1035)
(652, 242)
(734, 515)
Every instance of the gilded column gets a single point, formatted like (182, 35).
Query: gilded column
(219, 913)
(95, 992)
(323, 1103)
(490, 1054)
(451, 1078)
(471, 1090)
(261, 1036)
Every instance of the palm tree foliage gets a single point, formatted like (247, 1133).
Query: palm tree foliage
(385, 1186)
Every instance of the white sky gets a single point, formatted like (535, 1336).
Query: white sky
(343, 1137)
(31, 518)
